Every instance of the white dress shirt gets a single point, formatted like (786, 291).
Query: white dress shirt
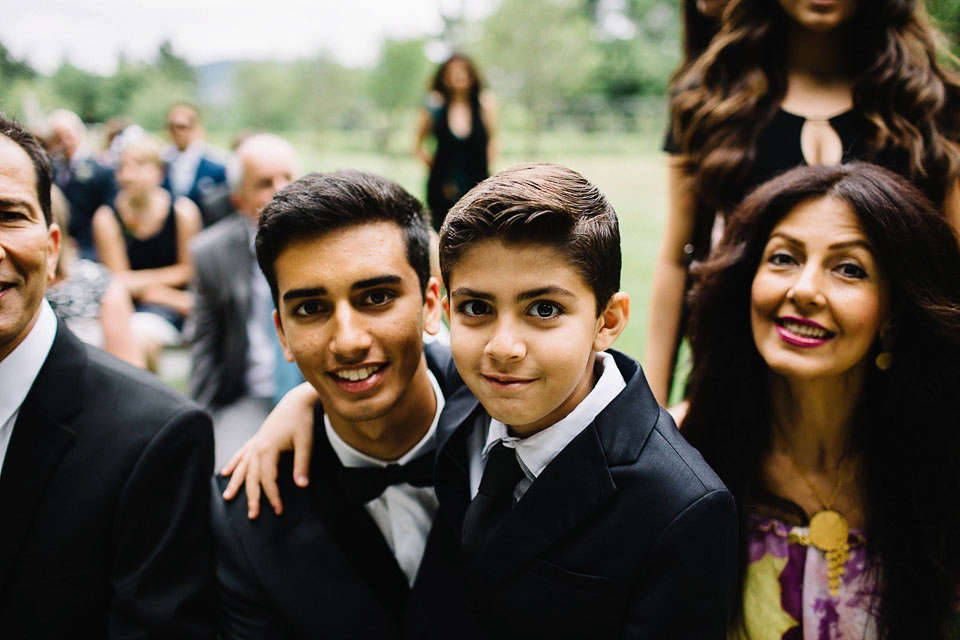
(403, 513)
(262, 345)
(183, 167)
(535, 452)
(19, 370)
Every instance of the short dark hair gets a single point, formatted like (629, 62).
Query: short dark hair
(542, 203)
(319, 203)
(15, 132)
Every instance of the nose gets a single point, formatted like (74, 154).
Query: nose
(506, 343)
(351, 340)
(807, 288)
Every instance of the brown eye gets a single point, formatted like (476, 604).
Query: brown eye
(544, 310)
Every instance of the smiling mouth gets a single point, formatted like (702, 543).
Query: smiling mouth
(804, 330)
(357, 375)
(506, 382)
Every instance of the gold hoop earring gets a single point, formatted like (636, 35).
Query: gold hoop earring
(884, 361)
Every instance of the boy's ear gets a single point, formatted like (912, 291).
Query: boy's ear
(431, 307)
(445, 302)
(612, 321)
(287, 354)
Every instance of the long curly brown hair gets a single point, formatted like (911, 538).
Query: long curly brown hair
(907, 433)
(723, 101)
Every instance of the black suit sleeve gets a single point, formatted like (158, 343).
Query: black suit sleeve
(243, 605)
(162, 564)
(687, 588)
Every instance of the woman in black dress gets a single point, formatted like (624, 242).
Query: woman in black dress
(460, 116)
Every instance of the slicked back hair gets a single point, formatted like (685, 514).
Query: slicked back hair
(540, 203)
(319, 203)
(15, 132)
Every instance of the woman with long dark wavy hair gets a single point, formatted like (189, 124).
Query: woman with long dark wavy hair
(825, 331)
(791, 82)
(461, 117)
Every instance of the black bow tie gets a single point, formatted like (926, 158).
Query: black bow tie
(363, 484)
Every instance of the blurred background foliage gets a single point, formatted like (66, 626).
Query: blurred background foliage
(585, 65)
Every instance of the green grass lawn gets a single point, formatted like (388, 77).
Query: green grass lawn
(628, 168)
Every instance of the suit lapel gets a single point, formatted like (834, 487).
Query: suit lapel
(572, 487)
(39, 440)
(461, 416)
(357, 535)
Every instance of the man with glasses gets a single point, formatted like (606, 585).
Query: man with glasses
(192, 171)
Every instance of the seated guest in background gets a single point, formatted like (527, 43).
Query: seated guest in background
(233, 343)
(826, 363)
(143, 238)
(105, 470)
(86, 183)
(191, 170)
(91, 302)
(346, 255)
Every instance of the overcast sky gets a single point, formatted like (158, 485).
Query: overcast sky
(90, 33)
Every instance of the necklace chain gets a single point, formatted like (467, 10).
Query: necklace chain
(836, 491)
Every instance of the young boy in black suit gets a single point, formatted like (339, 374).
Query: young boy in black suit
(580, 509)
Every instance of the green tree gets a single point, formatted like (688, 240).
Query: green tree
(171, 65)
(395, 86)
(12, 68)
(539, 53)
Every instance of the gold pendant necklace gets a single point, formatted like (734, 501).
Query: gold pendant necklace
(829, 531)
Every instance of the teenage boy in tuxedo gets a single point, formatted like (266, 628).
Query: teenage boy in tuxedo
(347, 260)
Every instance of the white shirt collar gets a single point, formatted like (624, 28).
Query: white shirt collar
(350, 457)
(537, 451)
(19, 370)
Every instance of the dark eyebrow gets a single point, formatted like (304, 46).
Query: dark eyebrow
(375, 281)
(524, 295)
(17, 202)
(305, 292)
(852, 243)
(464, 292)
(833, 247)
(310, 292)
(543, 291)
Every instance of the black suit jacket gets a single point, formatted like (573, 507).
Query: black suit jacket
(321, 569)
(626, 533)
(104, 495)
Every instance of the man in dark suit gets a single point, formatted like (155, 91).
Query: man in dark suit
(233, 346)
(192, 171)
(346, 255)
(86, 183)
(103, 469)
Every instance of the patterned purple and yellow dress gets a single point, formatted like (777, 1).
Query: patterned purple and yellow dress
(787, 594)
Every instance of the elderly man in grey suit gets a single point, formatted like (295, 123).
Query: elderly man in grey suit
(233, 344)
